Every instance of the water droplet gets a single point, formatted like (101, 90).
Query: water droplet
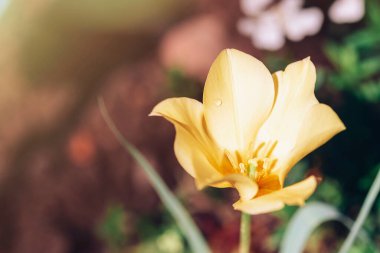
(218, 102)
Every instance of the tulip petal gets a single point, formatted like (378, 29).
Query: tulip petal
(294, 97)
(194, 150)
(304, 123)
(320, 124)
(246, 187)
(238, 97)
(295, 194)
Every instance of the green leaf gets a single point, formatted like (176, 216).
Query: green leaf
(366, 38)
(305, 221)
(364, 211)
(181, 216)
(373, 9)
(332, 52)
(344, 58)
(329, 191)
(169, 241)
(349, 59)
(113, 227)
(369, 91)
(369, 67)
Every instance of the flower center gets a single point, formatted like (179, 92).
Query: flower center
(256, 168)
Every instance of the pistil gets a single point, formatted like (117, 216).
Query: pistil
(252, 168)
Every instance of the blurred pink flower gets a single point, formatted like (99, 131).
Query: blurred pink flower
(254, 7)
(203, 34)
(286, 19)
(347, 11)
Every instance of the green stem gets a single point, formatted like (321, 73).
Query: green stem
(245, 233)
(364, 211)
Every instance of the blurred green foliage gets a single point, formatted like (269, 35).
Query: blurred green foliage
(160, 234)
(157, 233)
(170, 241)
(182, 85)
(112, 229)
(356, 59)
(354, 87)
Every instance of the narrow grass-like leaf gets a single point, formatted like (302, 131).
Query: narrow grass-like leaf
(304, 222)
(364, 211)
(181, 216)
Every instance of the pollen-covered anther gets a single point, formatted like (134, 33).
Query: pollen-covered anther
(242, 168)
(253, 162)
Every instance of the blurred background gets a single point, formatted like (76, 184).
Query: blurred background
(66, 185)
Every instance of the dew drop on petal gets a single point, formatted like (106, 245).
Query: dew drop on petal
(218, 102)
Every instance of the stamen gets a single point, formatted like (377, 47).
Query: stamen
(238, 156)
(253, 162)
(258, 149)
(267, 148)
(230, 158)
(242, 167)
(274, 144)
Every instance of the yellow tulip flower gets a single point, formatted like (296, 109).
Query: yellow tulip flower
(251, 129)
